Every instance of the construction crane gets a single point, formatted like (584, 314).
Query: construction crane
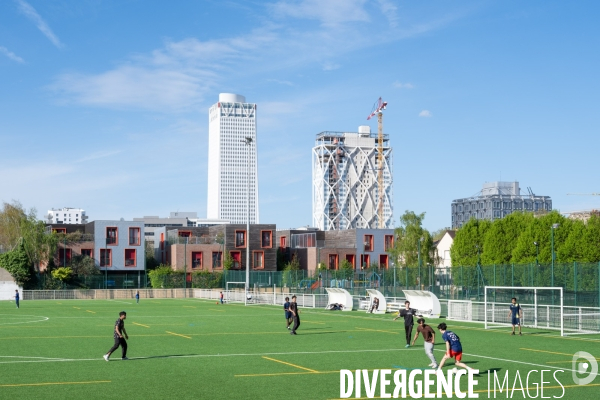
(378, 108)
(583, 194)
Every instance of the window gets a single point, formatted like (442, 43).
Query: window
(265, 239)
(383, 261)
(184, 234)
(60, 230)
(389, 242)
(196, 259)
(237, 259)
(240, 238)
(333, 261)
(64, 256)
(130, 257)
(162, 241)
(112, 236)
(217, 259)
(365, 261)
(134, 236)
(351, 259)
(87, 252)
(105, 257)
(283, 241)
(258, 259)
(368, 241)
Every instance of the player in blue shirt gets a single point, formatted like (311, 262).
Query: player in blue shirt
(288, 313)
(453, 347)
(17, 297)
(516, 312)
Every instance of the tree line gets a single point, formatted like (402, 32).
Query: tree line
(522, 238)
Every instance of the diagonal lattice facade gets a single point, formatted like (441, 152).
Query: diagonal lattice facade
(345, 189)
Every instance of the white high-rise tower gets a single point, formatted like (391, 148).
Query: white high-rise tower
(232, 160)
(346, 194)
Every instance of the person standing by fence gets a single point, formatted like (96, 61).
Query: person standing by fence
(137, 296)
(17, 297)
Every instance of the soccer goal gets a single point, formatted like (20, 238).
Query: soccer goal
(235, 292)
(541, 307)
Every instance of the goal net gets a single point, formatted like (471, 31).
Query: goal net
(235, 292)
(460, 310)
(541, 307)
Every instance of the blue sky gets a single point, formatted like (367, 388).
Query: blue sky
(104, 104)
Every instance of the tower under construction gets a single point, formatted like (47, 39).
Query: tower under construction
(349, 179)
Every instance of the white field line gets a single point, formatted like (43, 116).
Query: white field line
(215, 355)
(517, 362)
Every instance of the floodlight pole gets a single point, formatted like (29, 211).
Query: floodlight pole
(248, 142)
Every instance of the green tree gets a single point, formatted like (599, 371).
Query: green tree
(501, 238)
(468, 241)
(17, 264)
(347, 269)
(408, 235)
(62, 274)
(540, 231)
(84, 266)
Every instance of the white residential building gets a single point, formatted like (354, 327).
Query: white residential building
(67, 215)
(346, 193)
(232, 164)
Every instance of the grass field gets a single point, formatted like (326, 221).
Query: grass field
(192, 349)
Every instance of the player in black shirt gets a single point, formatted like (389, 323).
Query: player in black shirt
(408, 314)
(295, 315)
(119, 340)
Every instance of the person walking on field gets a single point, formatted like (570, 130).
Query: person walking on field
(429, 337)
(221, 297)
(288, 314)
(119, 339)
(17, 297)
(295, 315)
(137, 296)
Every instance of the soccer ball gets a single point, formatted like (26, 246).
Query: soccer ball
(217, 302)
(454, 370)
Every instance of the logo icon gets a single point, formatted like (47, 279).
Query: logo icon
(583, 367)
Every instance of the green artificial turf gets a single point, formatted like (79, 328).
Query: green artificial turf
(192, 349)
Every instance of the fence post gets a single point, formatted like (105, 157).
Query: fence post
(575, 280)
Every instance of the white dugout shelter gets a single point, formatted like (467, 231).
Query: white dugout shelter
(373, 293)
(341, 297)
(426, 303)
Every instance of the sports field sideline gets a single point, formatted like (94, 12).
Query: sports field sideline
(191, 349)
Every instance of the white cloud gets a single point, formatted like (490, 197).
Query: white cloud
(11, 55)
(425, 114)
(30, 13)
(328, 66)
(389, 9)
(97, 155)
(329, 13)
(400, 85)
(180, 75)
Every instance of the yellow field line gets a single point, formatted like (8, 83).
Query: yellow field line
(375, 330)
(53, 383)
(212, 309)
(189, 306)
(177, 334)
(93, 312)
(145, 326)
(291, 365)
(292, 373)
(528, 388)
(545, 351)
(313, 322)
(77, 308)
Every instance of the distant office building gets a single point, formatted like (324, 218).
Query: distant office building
(232, 164)
(495, 201)
(345, 181)
(66, 215)
(177, 219)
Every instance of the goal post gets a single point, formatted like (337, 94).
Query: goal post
(235, 296)
(542, 307)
